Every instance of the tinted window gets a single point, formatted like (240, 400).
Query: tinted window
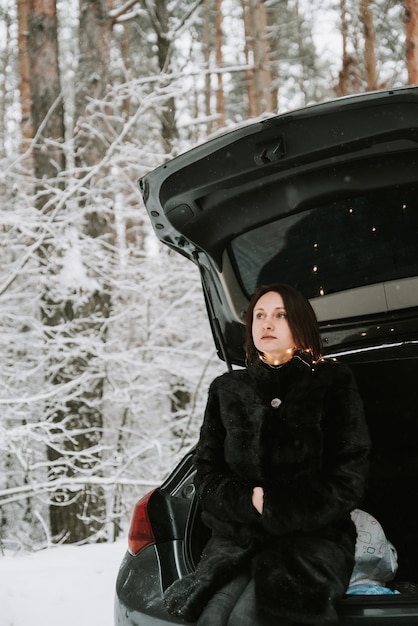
(352, 242)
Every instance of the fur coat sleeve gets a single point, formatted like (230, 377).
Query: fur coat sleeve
(223, 492)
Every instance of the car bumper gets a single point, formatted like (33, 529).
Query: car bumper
(139, 598)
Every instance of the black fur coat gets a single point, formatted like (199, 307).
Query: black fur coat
(299, 432)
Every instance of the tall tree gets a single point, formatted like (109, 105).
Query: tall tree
(300, 45)
(411, 42)
(79, 421)
(258, 47)
(161, 21)
(5, 50)
(24, 66)
(366, 17)
(207, 43)
(47, 108)
(46, 112)
(249, 71)
(349, 78)
(220, 96)
(93, 78)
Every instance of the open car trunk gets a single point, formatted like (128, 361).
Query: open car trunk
(388, 384)
(389, 392)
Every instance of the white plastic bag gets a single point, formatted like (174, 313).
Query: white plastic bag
(376, 559)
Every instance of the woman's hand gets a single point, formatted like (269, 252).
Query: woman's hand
(258, 499)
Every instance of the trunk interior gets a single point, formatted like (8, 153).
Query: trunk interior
(390, 393)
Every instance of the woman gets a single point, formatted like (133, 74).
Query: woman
(281, 461)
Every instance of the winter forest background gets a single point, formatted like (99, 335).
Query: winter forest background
(106, 354)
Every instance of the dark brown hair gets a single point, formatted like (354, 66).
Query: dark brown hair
(300, 316)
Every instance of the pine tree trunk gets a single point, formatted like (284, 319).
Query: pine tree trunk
(78, 511)
(92, 77)
(262, 59)
(71, 510)
(207, 46)
(220, 99)
(299, 38)
(343, 82)
(366, 16)
(247, 18)
(45, 96)
(24, 74)
(125, 48)
(169, 130)
(273, 17)
(258, 38)
(5, 63)
(411, 42)
(349, 80)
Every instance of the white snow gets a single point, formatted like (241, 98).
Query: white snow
(65, 585)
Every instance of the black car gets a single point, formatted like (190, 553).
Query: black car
(326, 199)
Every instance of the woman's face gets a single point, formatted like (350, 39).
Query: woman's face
(270, 329)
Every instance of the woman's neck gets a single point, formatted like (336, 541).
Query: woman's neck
(277, 359)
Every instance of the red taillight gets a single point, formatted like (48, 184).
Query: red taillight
(140, 533)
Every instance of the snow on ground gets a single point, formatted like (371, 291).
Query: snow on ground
(65, 585)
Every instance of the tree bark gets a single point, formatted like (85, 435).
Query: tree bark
(411, 40)
(79, 513)
(252, 103)
(207, 46)
(299, 38)
(255, 21)
(349, 79)
(343, 83)
(45, 94)
(75, 514)
(220, 99)
(169, 130)
(24, 74)
(366, 16)
(92, 78)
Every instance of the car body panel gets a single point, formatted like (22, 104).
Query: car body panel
(139, 588)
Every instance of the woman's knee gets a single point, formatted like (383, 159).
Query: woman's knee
(245, 611)
(219, 607)
(248, 613)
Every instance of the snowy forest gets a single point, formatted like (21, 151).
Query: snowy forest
(106, 353)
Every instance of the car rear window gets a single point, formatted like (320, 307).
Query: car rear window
(348, 243)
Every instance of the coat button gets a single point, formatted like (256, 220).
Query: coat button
(275, 403)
